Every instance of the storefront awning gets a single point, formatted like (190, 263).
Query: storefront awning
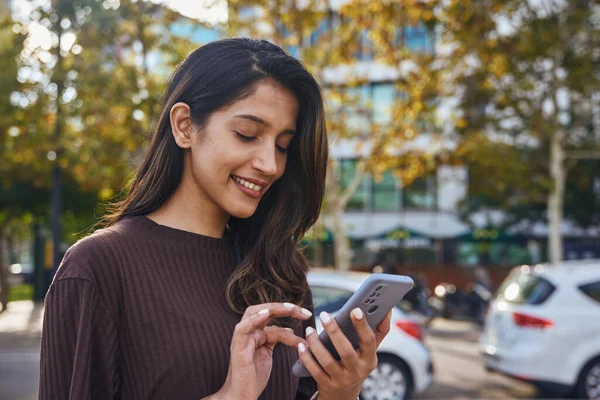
(399, 237)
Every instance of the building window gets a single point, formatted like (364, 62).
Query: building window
(420, 194)
(385, 193)
(384, 96)
(358, 200)
(356, 112)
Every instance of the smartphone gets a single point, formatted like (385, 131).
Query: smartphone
(375, 297)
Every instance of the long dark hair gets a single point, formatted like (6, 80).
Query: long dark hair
(270, 268)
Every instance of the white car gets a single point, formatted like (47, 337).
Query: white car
(404, 363)
(543, 327)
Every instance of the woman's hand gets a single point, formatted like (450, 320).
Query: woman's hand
(252, 349)
(343, 380)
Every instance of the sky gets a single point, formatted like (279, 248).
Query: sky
(201, 9)
(204, 10)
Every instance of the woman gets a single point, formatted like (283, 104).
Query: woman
(197, 276)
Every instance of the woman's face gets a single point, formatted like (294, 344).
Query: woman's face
(241, 151)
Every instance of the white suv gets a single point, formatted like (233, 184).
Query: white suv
(404, 363)
(543, 327)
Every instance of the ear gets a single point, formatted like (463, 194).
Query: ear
(181, 125)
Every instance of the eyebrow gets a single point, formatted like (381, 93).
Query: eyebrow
(261, 121)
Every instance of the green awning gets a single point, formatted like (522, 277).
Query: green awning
(486, 235)
(398, 237)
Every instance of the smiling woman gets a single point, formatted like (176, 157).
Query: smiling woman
(197, 275)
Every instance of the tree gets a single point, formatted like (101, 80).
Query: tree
(81, 82)
(526, 74)
(114, 60)
(329, 42)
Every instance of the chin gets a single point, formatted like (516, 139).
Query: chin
(242, 212)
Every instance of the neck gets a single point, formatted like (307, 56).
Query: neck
(190, 210)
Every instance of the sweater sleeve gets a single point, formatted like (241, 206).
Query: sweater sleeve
(307, 386)
(79, 351)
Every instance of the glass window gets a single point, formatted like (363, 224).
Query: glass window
(357, 114)
(592, 290)
(386, 195)
(417, 38)
(329, 299)
(420, 194)
(521, 288)
(358, 199)
(383, 101)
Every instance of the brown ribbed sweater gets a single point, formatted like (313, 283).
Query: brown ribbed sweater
(138, 311)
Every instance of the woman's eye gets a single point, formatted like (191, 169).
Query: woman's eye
(244, 137)
(281, 149)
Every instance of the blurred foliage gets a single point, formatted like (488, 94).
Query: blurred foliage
(521, 73)
(22, 291)
(332, 44)
(113, 64)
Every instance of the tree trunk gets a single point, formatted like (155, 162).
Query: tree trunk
(4, 286)
(556, 198)
(341, 244)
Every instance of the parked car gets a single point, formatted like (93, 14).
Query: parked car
(404, 363)
(543, 327)
(453, 303)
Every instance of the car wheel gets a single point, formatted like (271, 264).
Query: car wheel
(588, 386)
(391, 380)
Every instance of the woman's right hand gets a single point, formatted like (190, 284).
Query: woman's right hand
(252, 349)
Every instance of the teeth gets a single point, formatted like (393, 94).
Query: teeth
(247, 184)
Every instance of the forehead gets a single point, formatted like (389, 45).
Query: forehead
(271, 102)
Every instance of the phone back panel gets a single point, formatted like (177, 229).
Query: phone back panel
(378, 294)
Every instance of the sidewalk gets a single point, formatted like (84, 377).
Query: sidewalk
(20, 334)
(21, 324)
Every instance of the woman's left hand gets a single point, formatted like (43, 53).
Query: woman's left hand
(343, 379)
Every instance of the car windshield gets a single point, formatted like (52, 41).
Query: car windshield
(329, 299)
(520, 288)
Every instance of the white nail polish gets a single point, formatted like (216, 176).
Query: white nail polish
(301, 347)
(309, 331)
(325, 317)
(263, 312)
(306, 312)
(358, 314)
(289, 330)
(289, 305)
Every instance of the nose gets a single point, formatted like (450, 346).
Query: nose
(266, 159)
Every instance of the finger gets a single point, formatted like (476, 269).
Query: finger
(312, 366)
(382, 329)
(279, 310)
(348, 355)
(244, 328)
(328, 363)
(275, 334)
(366, 336)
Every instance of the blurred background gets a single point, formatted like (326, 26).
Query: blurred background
(465, 147)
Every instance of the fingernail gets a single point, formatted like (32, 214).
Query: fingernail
(263, 312)
(306, 312)
(289, 305)
(309, 331)
(325, 317)
(358, 314)
(301, 347)
(289, 330)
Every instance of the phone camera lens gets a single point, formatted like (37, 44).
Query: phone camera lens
(372, 310)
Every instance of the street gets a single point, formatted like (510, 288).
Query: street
(459, 371)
